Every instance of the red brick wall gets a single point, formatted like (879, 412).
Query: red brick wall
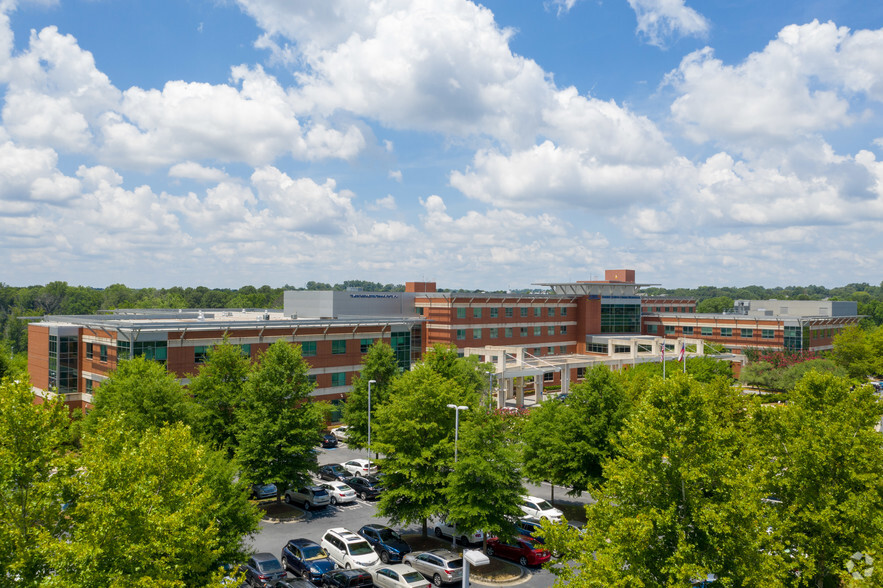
(38, 356)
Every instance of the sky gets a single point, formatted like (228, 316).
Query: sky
(495, 145)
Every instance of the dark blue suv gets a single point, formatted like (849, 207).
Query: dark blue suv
(306, 558)
(388, 544)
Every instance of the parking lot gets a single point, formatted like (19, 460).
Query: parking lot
(273, 536)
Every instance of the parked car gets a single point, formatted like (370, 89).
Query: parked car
(360, 467)
(442, 566)
(521, 549)
(339, 492)
(341, 432)
(528, 528)
(329, 441)
(263, 569)
(356, 578)
(388, 544)
(333, 471)
(296, 584)
(306, 559)
(308, 497)
(349, 550)
(444, 528)
(538, 508)
(366, 488)
(398, 576)
(260, 491)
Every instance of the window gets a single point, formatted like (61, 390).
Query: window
(767, 334)
(476, 333)
(338, 379)
(550, 330)
(652, 329)
(419, 310)
(88, 351)
(550, 350)
(476, 313)
(726, 332)
(311, 379)
(562, 349)
(461, 313)
(308, 348)
(365, 345)
(563, 330)
(536, 311)
(200, 353)
(563, 312)
(338, 347)
(89, 386)
(510, 312)
(687, 330)
(523, 331)
(508, 332)
(669, 329)
(537, 331)
(103, 353)
(746, 333)
(620, 317)
(580, 372)
(551, 312)
(461, 334)
(707, 331)
(246, 349)
(548, 376)
(495, 312)
(524, 311)
(493, 333)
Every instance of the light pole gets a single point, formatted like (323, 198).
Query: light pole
(369, 423)
(457, 410)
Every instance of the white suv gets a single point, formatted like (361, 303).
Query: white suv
(445, 528)
(349, 550)
(538, 508)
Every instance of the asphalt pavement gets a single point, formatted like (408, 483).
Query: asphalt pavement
(272, 537)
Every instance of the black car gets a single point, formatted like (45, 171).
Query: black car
(329, 441)
(388, 544)
(355, 578)
(263, 569)
(366, 487)
(306, 559)
(333, 472)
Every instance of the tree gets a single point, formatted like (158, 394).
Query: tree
(415, 432)
(484, 489)
(380, 365)
(278, 426)
(828, 472)
(545, 444)
(715, 305)
(682, 497)
(468, 372)
(217, 390)
(144, 393)
(853, 352)
(32, 439)
(155, 509)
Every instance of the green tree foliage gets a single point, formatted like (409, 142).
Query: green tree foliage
(217, 390)
(468, 372)
(484, 490)
(380, 365)
(144, 393)
(32, 438)
(278, 427)
(827, 469)
(715, 305)
(853, 350)
(682, 497)
(415, 432)
(156, 509)
(584, 429)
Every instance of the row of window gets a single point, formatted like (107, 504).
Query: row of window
(338, 347)
(509, 311)
(709, 332)
(508, 332)
(671, 309)
(102, 351)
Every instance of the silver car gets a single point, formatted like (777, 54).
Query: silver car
(308, 496)
(442, 566)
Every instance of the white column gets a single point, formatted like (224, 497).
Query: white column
(519, 392)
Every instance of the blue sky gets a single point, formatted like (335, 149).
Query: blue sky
(494, 145)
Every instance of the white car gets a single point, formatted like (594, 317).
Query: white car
(398, 576)
(339, 492)
(359, 467)
(445, 528)
(539, 509)
(341, 432)
(349, 550)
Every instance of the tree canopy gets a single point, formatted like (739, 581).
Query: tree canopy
(380, 365)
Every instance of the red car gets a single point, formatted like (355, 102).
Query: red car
(520, 549)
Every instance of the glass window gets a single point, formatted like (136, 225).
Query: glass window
(495, 312)
(338, 379)
(200, 353)
(493, 333)
(669, 329)
(707, 331)
(726, 332)
(537, 331)
(551, 312)
(419, 310)
(461, 334)
(103, 353)
(537, 310)
(620, 318)
(563, 329)
(562, 349)
(524, 311)
(580, 372)
(746, 333)
(508, 333)
(550, 350)
(548, 376)
(687, 330)
(89, 386)
(88, 351)
(523, 331)
(550, 330)
(476, 313)
(311, 378)
(767, 334)
(338, 347)
(510, 312)
(365, 345)
(652, 328)
(564, 312)
(476, 333)
(461, 313)
(308, 348)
